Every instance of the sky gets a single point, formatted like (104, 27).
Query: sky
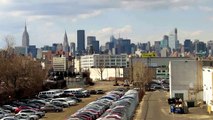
(138, 20)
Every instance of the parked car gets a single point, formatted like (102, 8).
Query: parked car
(40, 114)
(42, 96)
(4, 110)
(66, 100)
(75, 98)
(99, 92)
(67, 94)
(9, 107)
(51, 108)
(25, 107)
(27, 116)
(59, 104)
(86, 92)
(4, 114)
(18, 103)
(92, 92)
(11, 118)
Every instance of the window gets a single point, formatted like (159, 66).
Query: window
(179, 95)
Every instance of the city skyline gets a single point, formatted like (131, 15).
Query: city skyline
(138, 20)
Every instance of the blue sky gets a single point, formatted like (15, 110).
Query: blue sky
(139, 20)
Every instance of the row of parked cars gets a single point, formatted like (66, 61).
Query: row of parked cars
(115, 105)
(46, 101)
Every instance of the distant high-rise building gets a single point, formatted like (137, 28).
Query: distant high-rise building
(47, 48)
(54, 47)
(65, 43)
(80, 42)
(59, 47)
(188, 45)
(126, 43)
(92, 45)
(173, 40)
(200, 47)
(157, 47)
(165, 42)
(148, 47)
(210, 47)
(32, 51)
(25, 37)
(90, 40)
(72, 48)
(96, 47)
(21, 50)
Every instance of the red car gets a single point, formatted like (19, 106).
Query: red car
(24, 107)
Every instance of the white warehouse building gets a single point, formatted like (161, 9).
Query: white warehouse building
(185, 78)
(112, 65)
(106, 61)
(207, 86)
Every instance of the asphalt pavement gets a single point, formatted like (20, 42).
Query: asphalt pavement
(154, 106)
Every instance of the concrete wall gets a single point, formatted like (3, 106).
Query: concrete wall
(108, 72)
(185, 76)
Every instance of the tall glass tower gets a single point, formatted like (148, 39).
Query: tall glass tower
(173, 39)
(80, 42)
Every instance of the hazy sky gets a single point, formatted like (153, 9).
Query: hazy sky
(139, 20)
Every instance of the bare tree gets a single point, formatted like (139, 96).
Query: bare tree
(10, 42)
(101, 67)
(142, 74)
(21, 75)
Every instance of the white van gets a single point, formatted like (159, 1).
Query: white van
(78, 92)
(51, 93)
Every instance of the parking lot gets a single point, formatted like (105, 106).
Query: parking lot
(34, 108)
(71, 110)
(104, 85)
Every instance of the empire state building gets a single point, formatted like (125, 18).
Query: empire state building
(25, 38)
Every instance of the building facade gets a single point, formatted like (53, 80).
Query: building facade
(59, 64)
(105, 61)
(185, 79)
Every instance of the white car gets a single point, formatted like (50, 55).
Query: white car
(4, 114)
(33, 112)
(65, 100)
(26, 116)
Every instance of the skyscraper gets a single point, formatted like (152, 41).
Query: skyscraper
(92, 45)
(173, 40)
(188, 45)
(90, 40)
(65, 43)
(165, 42)
(25, 37)
(72, 48)
(80, 42)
